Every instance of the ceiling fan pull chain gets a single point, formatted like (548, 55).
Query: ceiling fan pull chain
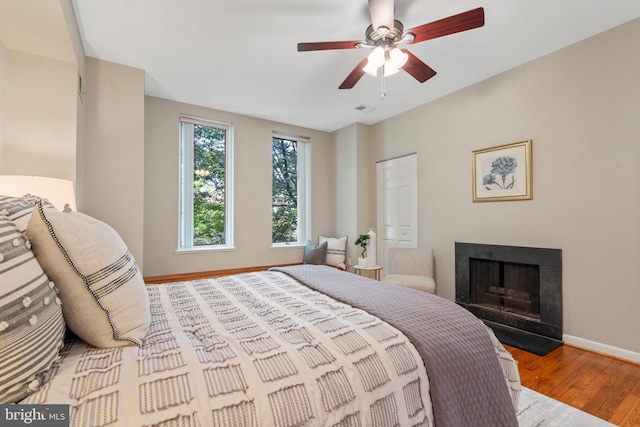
(383, 89)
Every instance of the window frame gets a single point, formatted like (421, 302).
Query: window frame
(303, 186)
(185, 183)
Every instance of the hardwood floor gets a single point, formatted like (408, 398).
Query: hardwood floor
(603, 386)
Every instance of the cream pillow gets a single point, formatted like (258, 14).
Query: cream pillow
(31, 323)
(336, 250)
(104, 298)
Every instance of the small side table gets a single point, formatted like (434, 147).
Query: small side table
(376, 270)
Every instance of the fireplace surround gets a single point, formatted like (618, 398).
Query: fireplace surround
(516, 291)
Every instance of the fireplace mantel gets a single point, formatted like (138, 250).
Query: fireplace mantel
(539, 332)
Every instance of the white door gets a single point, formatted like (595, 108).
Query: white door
(397, 200)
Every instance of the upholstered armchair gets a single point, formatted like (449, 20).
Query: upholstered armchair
(411, 268)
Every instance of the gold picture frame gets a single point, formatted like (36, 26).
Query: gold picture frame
(503, 173)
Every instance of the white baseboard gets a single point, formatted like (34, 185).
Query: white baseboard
(620, 353)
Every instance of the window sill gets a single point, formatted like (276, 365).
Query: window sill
(205, 249)
(287, 245)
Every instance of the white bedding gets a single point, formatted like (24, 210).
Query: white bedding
(252, 349)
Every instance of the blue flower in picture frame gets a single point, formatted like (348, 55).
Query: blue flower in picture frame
(489, 179)
(502, 166)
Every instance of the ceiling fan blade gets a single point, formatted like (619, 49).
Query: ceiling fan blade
(418, 69)
(454, 24)
(381, 13)
(305, 47)
(355, 75)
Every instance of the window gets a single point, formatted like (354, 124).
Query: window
(290, 190)
(205, 184)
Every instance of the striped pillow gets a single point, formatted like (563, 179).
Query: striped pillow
(336, 250)
(31, 323)
(105, 301)
(18, 209)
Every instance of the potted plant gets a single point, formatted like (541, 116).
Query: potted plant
(362, 240)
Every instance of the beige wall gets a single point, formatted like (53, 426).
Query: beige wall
(39, 116)
(3, 100)
(581, 108)
(76, 42)
(366, 174)
(113, 152)
(36, 94)
(346, 140)
(355, 199)
(252, 191)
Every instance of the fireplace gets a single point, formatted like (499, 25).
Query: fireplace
(517, 291)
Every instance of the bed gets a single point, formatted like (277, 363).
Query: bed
(292, 346)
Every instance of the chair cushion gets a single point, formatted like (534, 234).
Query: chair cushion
(421, 283)
(411, 261)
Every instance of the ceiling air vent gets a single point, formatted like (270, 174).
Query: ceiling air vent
(365, 109)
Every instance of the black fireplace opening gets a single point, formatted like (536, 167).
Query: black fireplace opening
(508, 287)
(517, 291)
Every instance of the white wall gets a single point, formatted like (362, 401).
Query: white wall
(581, 108)
(252, 191)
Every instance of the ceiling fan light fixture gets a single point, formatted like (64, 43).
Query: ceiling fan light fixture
(377, 57)
(397, 57)
(370, 69)
(389, 69)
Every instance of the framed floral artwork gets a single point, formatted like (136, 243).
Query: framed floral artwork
(503, 173)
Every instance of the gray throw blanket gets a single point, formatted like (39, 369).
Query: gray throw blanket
(465, 378)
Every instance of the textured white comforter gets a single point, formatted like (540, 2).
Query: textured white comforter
(246, 350)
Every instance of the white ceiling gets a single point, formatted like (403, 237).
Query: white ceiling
(240, 55)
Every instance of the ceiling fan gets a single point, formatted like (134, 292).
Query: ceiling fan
(385, 34)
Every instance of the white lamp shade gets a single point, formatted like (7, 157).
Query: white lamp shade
(370, 69)
(376, 57)
(398, 57)
(390, 69)
(58, 191)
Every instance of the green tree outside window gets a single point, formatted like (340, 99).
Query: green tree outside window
(208, 185)
(284, 199)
